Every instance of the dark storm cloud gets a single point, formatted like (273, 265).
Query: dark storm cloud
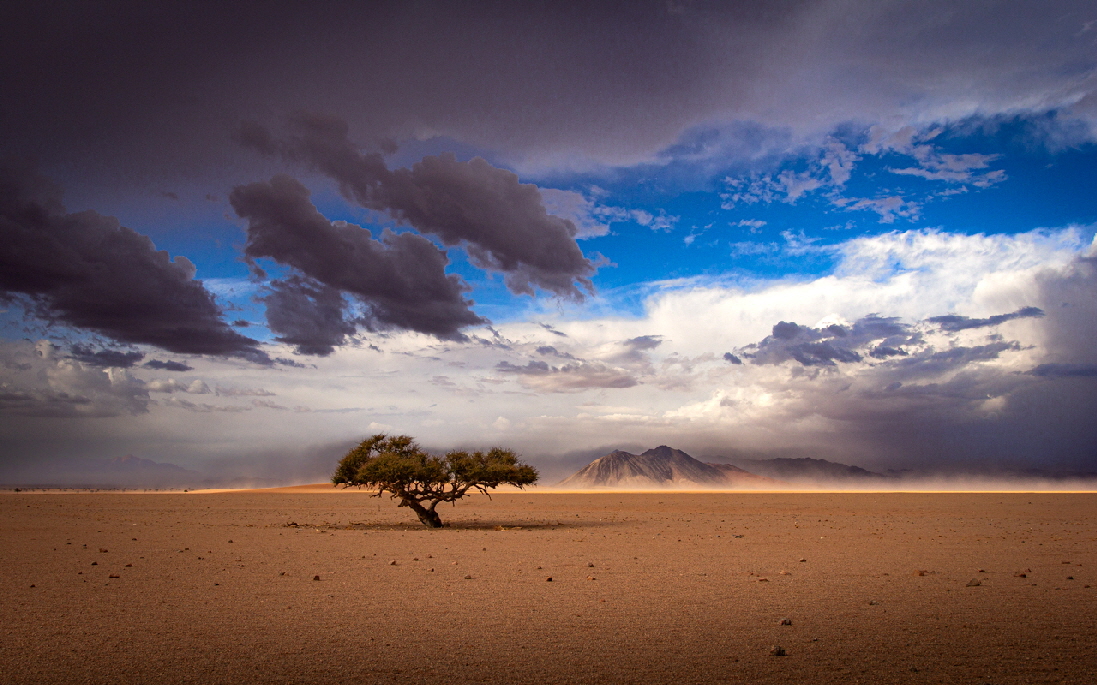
(309, 315)
(953, 322)
(106, 357)
(1069, 299)
(550, 351)
(147, 89)
(169, 365)
(880, 338)
(877, 336)
(87, 271)
(550, 329)
(400, 279)
(501, 222)
(633, 352)
(1065, 370)
(732, 359)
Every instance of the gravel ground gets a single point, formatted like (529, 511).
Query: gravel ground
(339, 587)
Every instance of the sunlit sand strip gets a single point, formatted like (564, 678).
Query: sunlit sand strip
(326, 488)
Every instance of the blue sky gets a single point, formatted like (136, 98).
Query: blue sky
(636, 201)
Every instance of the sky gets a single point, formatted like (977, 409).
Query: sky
(240, 238)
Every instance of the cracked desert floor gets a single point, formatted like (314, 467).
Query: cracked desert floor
(645, 588)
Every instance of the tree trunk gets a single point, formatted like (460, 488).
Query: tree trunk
(429, 517)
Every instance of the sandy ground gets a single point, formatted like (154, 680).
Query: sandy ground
(646, 588)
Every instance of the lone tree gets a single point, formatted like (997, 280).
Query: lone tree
(397, 465)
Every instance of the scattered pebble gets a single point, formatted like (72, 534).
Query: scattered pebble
(803, 560)
(114, 575)
(282, 573)
(590, 577)
(763, 580)
(392, 563)
(230, 540)
(32, 584)
(590, 564)
(549, 579)
(316, 577)
(103, 550)
(1020, 574)
(974, 582)
(777, 650)
(919, 573)
(95, 563)
(872, 602)
(468, 577)
(129, 565)
(786, 621)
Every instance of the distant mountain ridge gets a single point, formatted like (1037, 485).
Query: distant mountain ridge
(805, 469)
(661, 466)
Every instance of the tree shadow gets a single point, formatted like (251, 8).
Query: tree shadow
(483, 525)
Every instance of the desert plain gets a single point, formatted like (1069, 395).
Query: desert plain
(315, 585)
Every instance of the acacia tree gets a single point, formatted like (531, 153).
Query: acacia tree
(397, 465)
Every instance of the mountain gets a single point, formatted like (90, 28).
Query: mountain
(660, 467)
(805, 469)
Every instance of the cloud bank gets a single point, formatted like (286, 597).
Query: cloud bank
(400, 279)
(87, 271)
(500, 222)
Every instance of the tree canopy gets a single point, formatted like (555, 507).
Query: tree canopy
(397, 465)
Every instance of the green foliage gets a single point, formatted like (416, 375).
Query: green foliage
(397, 465)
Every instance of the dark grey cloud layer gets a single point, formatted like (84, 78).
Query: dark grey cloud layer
(307, 314)
(574, 376)
(400, 279)
(501, 222)
(874, 335)
(87, 271)
(169, 365)
(952, 322)
(149, 90)
(106, 357)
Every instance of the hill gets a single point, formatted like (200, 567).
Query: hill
(805, 469)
